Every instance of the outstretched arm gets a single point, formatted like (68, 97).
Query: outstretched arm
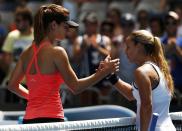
(75, 84)
(125, 89)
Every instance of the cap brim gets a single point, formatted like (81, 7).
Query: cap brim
(72, 24)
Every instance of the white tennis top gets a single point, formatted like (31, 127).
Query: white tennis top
(161, 98)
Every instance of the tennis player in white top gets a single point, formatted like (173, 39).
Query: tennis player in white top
(153, 84)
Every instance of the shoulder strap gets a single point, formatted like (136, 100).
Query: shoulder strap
(156, 68)
(34, 58)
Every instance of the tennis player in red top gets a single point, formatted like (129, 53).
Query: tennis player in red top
(46, 66)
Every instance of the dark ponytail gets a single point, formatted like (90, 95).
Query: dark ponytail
(39, 31)
(44, 16)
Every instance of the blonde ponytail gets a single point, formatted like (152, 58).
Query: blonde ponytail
(158, 57)
(153, 48)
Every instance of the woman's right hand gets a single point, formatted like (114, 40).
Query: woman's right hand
(109, 66)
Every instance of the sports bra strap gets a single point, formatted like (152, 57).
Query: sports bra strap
(34, 58)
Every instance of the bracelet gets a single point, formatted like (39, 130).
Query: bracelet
(113, 78)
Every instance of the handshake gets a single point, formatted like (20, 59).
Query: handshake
(109, 67)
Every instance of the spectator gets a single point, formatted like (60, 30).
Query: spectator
(173, 48)
(154, 6)
(17, 40)
(142, 19)
(107, 28)
(69, 44)
(92, 45)
(93, 48)
(114, 14)
(126, 67)
(178, 10)
(119, 45)
(156, 25)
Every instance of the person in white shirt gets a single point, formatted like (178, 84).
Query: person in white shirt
(17, 41)
(153, 85)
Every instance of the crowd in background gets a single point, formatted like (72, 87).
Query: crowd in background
(104, 27)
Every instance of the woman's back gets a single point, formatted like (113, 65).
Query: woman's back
(44, 59)
(43, 81)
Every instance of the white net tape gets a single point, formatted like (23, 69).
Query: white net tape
(176, 115)
(78, 125)
(70, 125)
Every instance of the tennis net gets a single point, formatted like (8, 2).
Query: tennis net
(114, 124)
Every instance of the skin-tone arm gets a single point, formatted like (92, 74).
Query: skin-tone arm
(62, 64)
(105, 51)
(125, 89)
(77, 85)
(143, 83)
(15, 79)
(80, 49)
(102, 50)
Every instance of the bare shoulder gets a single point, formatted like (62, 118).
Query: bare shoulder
(59, 50)
(142, 76)
(59, 53)
(142, 72)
